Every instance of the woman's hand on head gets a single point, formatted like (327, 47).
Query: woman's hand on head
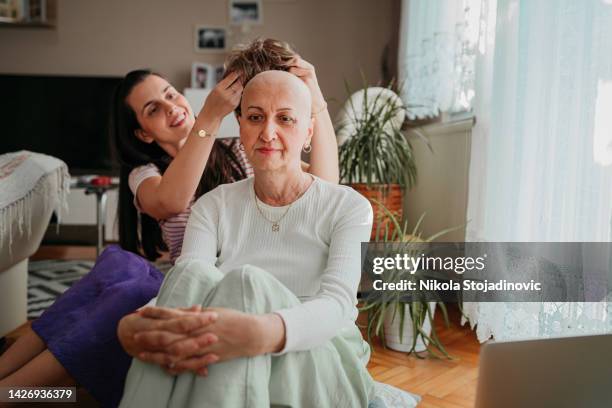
(223, 99)
(306, 72)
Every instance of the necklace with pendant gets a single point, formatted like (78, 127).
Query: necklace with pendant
(275, 223)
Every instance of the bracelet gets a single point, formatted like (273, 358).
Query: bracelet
(204, 134)
(320, 110)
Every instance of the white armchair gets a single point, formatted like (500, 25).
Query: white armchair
(32, 186)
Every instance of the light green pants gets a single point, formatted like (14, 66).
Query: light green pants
(330, 375)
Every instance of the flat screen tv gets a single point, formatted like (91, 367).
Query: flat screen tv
(62, 116)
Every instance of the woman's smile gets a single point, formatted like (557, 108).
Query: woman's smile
(179, 119)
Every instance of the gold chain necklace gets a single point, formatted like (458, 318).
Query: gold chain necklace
(275, 223)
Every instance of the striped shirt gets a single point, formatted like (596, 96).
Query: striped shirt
(173, 228)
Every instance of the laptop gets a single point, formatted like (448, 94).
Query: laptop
(572, 372)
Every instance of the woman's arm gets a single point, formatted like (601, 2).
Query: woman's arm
(317, 320)
(324, 154)
(164, 196)
(233, 334)
(149, 332)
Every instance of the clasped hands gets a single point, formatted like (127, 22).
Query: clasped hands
(190, 339)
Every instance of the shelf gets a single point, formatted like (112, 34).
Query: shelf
(25, 24)
(45, 18)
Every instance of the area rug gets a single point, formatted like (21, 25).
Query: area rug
(50, 278)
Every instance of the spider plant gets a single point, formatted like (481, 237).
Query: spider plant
(381, 305)
(376, 150)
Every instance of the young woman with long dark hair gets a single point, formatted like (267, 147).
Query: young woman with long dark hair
(168, 159)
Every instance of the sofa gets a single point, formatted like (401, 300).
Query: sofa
(32, 187)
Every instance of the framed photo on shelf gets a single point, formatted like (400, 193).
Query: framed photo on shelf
(36, 10)
(210, 39)
(245, 12)
(9, 11)
(219, 70)
(202, 76)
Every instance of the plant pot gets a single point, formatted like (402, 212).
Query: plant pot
(392, 330)
(391, 196)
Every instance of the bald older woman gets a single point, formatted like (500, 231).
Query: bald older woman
(276, 257)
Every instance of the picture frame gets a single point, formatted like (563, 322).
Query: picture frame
(218, 71)
(35, 10)
(23, 10)
(202, 76)
(9, 11)
(245, 12)
(210, 39)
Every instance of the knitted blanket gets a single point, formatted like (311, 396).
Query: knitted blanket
(23, 179)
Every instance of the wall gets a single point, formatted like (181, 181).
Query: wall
(442, 187)
(112, 37)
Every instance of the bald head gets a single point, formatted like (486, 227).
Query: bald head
(279, 87)
(275, 121)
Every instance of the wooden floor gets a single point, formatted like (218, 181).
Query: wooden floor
(441, 383)
(64, 252)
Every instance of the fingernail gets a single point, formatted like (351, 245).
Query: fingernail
(207, 339)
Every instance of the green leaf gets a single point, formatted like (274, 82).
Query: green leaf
(383, 154)
(402, 310)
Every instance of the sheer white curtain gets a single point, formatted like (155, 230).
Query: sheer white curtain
(437, 52)
(541, 160)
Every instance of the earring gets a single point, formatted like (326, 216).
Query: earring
(307, 148)
(241, 147)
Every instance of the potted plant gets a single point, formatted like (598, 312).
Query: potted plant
(376, 158)
(404, 325)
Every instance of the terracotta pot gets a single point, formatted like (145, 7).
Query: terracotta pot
(391, 196)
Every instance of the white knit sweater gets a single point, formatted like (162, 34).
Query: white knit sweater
(316, 252)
